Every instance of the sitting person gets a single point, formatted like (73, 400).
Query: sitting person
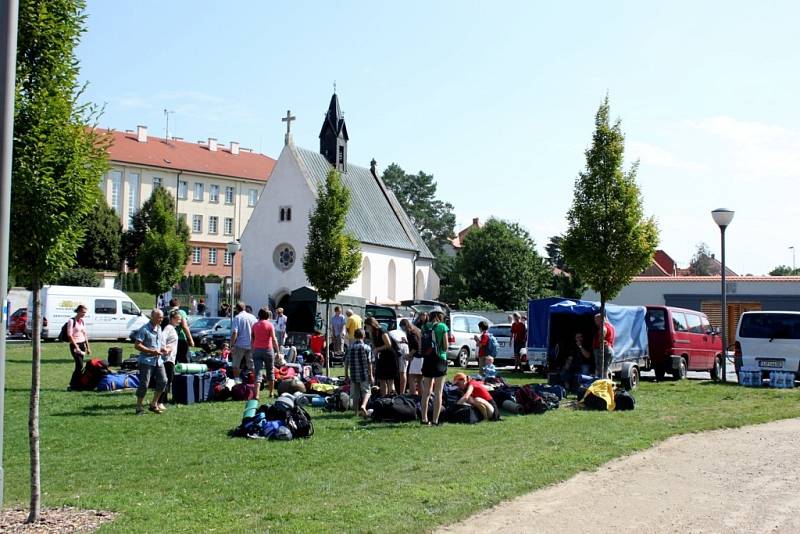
(579, 362)
(489, 370)
(475, 394)
(317, 345)
(290, 351)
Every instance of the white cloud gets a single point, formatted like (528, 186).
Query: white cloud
(656, 156)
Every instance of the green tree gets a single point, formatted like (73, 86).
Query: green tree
(499, 264)
(476, 304)
(433, 219)
(566, 283)
(141, 222)
(609, 240)
(163, 254)
(80, 277)
(101, 245)
(58, 159)
(784, 270)
(703, 263)
(333, 256)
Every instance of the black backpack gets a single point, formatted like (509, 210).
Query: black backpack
(530, 401)
(623, 400)
(394, 409)
(462, 414)
(428, 345)
(63, 336)
(299, 422)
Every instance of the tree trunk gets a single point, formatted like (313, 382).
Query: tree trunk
(603, 332)
(327, 344)
(33, 413)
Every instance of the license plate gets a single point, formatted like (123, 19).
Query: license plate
(777, 364)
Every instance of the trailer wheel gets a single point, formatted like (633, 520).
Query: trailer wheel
(629, 377)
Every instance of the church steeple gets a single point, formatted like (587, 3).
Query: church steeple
(333, 136)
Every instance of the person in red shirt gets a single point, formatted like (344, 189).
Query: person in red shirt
(482, 342)
(475, 394)
(519, 337)
(603, 353)
(317, 345)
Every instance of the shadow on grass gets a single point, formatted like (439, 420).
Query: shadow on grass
(96, 409)
(28, 389)
(724, 384)
(45, 361)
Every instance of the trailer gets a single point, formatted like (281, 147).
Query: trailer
(554, 322)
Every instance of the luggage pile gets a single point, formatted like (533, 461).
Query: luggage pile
(284, 420)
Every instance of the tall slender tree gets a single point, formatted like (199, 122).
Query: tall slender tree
(609, 240)
(102, 242)
(58, 159)
(333, 256)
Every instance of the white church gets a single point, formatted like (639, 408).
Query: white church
(396, 263)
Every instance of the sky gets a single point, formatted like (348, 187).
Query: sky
(495, 99)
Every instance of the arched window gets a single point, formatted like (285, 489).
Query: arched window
(419, 285)
(366, 278)
(392, 289)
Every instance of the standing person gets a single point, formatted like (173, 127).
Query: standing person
(603, 352)
(482, 341)
(280, 326)
(241, 338)
(519, 338)
(169, 341)
(434, 365)
(194, 306)
(185, 339)
(78, 344)
(201, 307)
(357, 367)
(413, 336)
(337, 332)
(398, 336)
(384, 354)
(352, 324)
(147, 340)
(422, 320)
(264, 345)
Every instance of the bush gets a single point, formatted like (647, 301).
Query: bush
(476, 304)
(80, 277)
(213, 279)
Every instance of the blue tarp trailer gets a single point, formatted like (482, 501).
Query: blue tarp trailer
(553, 323)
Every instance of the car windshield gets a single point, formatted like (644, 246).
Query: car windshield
(770, 326)
(500, 331)
(204, 322)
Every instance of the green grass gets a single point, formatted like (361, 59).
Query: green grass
(179, 472)
(145, 301)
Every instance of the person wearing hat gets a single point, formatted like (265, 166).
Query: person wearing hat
(475, 394)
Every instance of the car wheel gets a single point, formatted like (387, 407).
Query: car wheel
(660, 372)
(716, 371)
(463, 357)
(680, 372)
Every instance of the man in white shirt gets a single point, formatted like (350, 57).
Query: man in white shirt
(241, 338)
(399, 337)
(280, 326)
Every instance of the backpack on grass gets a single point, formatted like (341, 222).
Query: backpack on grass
(530, 401)
(462, 414)
(93, 371)
(394, 409)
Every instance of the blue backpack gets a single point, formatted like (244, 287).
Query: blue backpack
(491, 347)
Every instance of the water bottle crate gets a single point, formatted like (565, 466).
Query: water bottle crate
(781, 379)
(750, 378)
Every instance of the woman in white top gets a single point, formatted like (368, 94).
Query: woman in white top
(169, 340)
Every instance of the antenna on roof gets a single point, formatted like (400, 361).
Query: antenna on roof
(166, 133)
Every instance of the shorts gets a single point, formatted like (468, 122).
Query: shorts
(264, 359)
(434, 366)
(402, 364)
(358, 392)
(415, 367)
(518, 348)
(238, 353)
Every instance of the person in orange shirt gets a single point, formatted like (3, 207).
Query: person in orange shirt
(603, 353)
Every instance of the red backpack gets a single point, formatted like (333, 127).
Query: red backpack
(93, 371)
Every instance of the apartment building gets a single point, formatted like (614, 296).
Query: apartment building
(216, 188)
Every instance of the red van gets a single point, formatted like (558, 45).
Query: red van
(682, 340)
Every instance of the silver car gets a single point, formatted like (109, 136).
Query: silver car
(464, 328)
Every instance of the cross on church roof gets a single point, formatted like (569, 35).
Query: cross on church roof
(288, 120)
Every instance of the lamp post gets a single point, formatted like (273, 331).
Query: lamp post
(793, 263)
(723, 218)
(233, 247)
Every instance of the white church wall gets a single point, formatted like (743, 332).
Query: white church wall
(379, 260)
(264, 232)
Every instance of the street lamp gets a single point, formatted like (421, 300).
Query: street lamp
(794, 268)
(233, 247)
(723, 218)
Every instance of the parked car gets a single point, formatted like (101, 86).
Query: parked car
(462, 348)
(682, 340)
(222, 332)
(505, 351)
(111, 314)
(202, 327)
(16, 322)
(768, 340)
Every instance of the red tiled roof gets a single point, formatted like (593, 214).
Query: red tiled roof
(664, 261)
(193, 157)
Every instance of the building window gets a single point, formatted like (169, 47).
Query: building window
(213, 223)
(197, 223)
(228, 194)
(133, 195)
(213, 193)
(228, 226)
(116, 184)
(283, 256)
(285, 213)
(196, 255)
(252, 197)
(212, 256)
(183, 190)
(157, 182)
(227, 258)
(198, 191)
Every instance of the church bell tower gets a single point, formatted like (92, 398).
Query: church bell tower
(333, 136)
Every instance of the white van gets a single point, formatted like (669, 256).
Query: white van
(769, 341)
(111, 314)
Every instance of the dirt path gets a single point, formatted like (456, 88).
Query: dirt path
(740, 480)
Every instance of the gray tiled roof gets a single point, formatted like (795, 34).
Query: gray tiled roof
(375, 215)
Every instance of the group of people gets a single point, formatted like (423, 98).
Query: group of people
(594, 360)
